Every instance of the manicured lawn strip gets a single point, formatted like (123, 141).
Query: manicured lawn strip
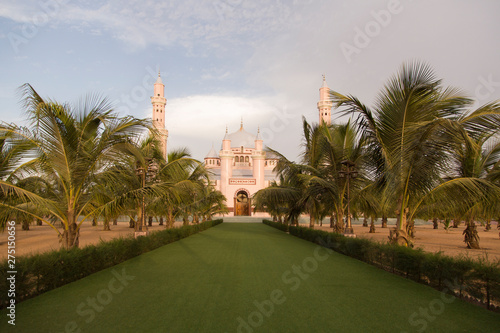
(206, 282)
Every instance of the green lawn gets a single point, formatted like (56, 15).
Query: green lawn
(217, 280)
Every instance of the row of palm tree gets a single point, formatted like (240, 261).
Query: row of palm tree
(71, 164)
(422, 151)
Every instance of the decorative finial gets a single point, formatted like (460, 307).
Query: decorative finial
(241, 126)
(226, 129)
(258, 129)
(324, 77)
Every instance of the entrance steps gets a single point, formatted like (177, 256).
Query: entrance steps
(242, 219)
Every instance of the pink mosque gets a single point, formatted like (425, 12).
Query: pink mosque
(241, 167)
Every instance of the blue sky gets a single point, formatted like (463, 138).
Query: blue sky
(225, 59)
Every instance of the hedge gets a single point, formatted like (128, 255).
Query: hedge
(477, 281)
(40, 273)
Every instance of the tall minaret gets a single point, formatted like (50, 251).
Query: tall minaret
(325, 104)
(258, 160)
(159, 101)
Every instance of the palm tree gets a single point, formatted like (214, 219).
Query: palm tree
(476, 158)
(339, 143)
(412, 131)
(283, 198)
(69, 145)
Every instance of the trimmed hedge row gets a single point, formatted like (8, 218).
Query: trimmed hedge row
(40, 273)
(477, 281)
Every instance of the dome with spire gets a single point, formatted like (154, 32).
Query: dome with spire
(241, 138)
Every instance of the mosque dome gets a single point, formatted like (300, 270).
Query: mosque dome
(241, 138)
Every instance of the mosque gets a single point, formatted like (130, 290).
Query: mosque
(241, 167)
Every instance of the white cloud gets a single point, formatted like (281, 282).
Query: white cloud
(202, 120)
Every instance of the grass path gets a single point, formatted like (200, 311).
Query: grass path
(217, 280)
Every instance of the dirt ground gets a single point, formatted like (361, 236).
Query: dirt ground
(450, 242)
(44, 238)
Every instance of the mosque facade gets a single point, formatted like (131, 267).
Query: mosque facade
(241, 167)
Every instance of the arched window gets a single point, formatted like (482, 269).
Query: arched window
(246, 159)
(237, 159)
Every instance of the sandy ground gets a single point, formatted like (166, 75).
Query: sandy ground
(450, 242)
(44, 238)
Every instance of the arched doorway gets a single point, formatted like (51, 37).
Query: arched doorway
(242, 204)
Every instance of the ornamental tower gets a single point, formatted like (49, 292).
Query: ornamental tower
(159, 102)
(325, 104)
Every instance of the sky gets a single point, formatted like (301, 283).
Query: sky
(226, 60)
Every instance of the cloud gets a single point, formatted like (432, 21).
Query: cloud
(200, 121)
(220, 25)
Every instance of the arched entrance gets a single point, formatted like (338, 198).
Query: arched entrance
(241, 204)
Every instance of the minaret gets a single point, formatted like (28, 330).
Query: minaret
(159, 101)
(258, 159)
(226, 164)
(325, 104)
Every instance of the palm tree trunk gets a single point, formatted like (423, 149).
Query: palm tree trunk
(25, 224)
(435, 223)
(365, 222)
(471, 237)
(71, 233)
(384, 221)
(115, 221)
(332, 221)
(106, 225)
(339, 226)
(372, 225)
(131, 223)
(170, 218)
(312, 220)
(150, 221)
(161, 220)
(488, 225)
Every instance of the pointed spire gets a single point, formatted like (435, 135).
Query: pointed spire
(324, 82)
(158, 80)
(241, 126)
(225, 136)
(258, 134)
